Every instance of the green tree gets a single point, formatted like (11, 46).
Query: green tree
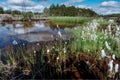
(52, 10)
(62, 10)
(8, 11)
(16, 12)
(1, 10)
(30, 14)
(27, 15)
(46, 11)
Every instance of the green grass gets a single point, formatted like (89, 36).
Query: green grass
(84, 40)
(103, 22)
(75, 20)
(79, 20)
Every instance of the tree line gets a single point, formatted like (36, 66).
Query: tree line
(15, 12)
(112, 15)
(55, 10)
(59, 10)
(62, 10)
(2, 11)
(25, 15)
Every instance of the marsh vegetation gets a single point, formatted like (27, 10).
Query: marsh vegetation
(72, 44)
(92, 52)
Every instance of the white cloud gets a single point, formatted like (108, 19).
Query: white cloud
(18, 5)
(16, 1)
(108, 7)
(110, 3)
(83, 6)
(21, 2)
(36, 8)
(3, 5)
(71, 2)
(76, 0)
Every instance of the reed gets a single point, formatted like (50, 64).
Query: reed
(75, 20)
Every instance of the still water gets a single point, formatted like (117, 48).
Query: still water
(26, 32)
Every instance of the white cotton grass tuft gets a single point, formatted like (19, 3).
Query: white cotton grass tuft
(107, 45)
(105, 32)
(51, 36)
(37, 44)
(103, 54)
(48, 50)
(109, 27)
(53, 47)
(118, 28)
(65, 50)
(116, 68)
(93, 36)
(113, 56)
(14, 42)
(59, 34)
(110, 65)
(57, 26)
(65, 42)
(75, 28)
(117, 33)
(111, 20)
(87, 62)
(57, 58)
(83, 34)
(34, 51)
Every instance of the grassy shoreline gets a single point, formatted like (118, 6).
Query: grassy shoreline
(90, 39)
(79, 20)
(76, 20)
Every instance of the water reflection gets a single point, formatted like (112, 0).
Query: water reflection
(32, 24)
(29, 31)
(61, 25)
(3, 24)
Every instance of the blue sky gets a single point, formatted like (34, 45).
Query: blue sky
(99, 6)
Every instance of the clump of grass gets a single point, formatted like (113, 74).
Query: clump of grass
(45, 61)
(103, 22)
(75, 20)
(90, 39)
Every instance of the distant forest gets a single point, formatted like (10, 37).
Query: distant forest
(62, 10)
(57, 10)
(13, 12)
(112, 15)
